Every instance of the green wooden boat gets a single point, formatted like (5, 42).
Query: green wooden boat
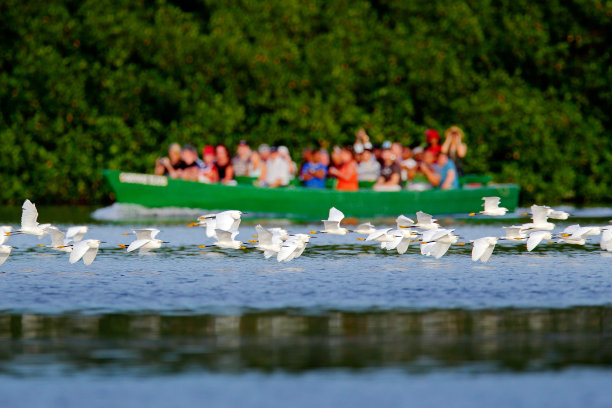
(304, 203)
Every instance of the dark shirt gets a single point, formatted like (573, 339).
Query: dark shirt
(222, 169)
(388, 171)
(180, 165)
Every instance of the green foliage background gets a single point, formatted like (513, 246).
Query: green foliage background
(88, 85)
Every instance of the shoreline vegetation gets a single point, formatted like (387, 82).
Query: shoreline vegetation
(91, 85)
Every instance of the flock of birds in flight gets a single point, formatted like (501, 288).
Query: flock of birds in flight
(277, 242)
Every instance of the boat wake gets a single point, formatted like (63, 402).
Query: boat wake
(124, 212)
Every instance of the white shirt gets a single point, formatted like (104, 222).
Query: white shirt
(277, 169)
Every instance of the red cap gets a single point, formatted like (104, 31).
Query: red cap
(432, 134)
(209, 150)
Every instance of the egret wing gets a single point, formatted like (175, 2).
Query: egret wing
(403, 245)
(225, 221)
(539, 214)
(424, 218)
(439, 249)
(146, 233)
(286, 250)
(377, 234)
(57, 236)
(427, 249)
(263, 235)
(480, 246)
(434, 235)
(139, 243)
(4, 256)
(76, 233)
(487, 253)
(78, 250)
(224, 237)
(90, 255)
(535, 238)
(335, 215)
(491, 203)
(331, 225)
(29, 215)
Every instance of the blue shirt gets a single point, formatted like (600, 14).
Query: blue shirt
(314, 182)
(443, 172)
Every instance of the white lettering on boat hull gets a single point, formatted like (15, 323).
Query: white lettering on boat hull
(147, 179)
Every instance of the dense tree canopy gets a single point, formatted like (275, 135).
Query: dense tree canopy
(87, 85)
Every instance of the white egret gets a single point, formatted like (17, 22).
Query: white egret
(557, 214)
(492, 208)
(225, 239)
(437, 242)
(515, 232)
(380, 235)
(145, 241)
(605, 242)
(483, 248)
(58, 239)
(426, 221)
(5, 233)
(269, 241)
(292, 247)
(86, 249)
(332, 223)
(404, 222)
(29, 225)
(539, 216)
(401, 240)
(535, 238)
(365, 229)
(5, 251)
(225, 221)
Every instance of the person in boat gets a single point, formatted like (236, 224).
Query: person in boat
(313, 171)
(433, 142)
(368, 168)
(171, 165)
(390, 173)
(408, 165)
(209, 173)
(277, 170)
(224, 165)
(240, 162)
(346, 171)
(454, 147)
(440, 172)
(193, 164)
(283, 152)
(257, 167)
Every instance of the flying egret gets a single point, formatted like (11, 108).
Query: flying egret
(145, 241)
(535, 238)
(557, 214)
(269, 241)
(605, 241)
(5, 233)
(426, 221)
(86, 249)
(437, 242)
(483, 248)
(401, 240)
(380, 235)
(539, 216)
(515, 233)
(58, 240)
(332, 223)
(225, 239)
(29, 225)
(226, 221)
(404, 222)
(5, 251)
(365, 228)
(576, 235)
(492, 208)
(292, 247)
(76, 233)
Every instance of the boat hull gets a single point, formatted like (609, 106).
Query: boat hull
(299, 202)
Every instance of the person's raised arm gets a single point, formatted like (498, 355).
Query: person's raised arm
(432, 177)
(461, 148)
(393, 180)
(229, 173)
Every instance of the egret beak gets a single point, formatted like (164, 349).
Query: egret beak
(165, 242)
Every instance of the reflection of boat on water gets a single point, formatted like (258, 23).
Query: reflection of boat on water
(299, 202)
